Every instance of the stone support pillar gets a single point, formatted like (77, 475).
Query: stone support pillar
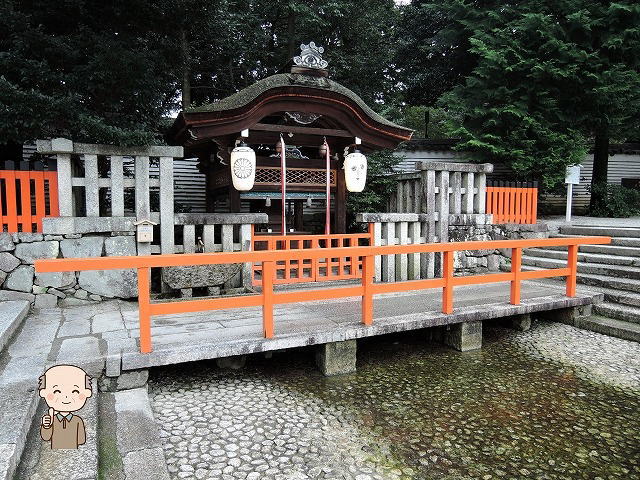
(337, 358)
(463, 336)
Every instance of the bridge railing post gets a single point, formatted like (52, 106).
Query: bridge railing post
(572, 264)
(516, 270)
(268, 272)
(447, 290)
(368, 272)
(144, 311)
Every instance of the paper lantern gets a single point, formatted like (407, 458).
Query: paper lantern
(355, 171)
(243, 167)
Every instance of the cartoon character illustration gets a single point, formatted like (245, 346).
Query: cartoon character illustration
(65, 388)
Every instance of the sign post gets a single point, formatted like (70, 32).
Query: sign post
(571, 178)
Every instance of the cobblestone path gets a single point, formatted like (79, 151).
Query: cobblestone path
(552, 403)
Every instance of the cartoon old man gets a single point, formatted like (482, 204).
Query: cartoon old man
(65, 388)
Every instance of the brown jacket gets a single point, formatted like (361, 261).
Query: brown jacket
(64, 433)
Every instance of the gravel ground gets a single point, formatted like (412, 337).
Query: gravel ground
(552, 403)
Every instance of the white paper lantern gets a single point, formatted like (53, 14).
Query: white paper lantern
(355, 171)
(243, 167)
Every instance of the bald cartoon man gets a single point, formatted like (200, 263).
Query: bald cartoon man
(65, 388)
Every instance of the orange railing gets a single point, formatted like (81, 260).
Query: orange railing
(267, 298)
(311, 269)
(516, 202)
(27, 197)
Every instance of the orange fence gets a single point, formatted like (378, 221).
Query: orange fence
(515, 203)
(311, 269)
(366, 290)
(27, 197)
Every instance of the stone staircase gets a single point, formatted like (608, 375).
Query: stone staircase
(613, 270)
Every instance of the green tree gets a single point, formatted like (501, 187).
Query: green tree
(547, 78)
(89, 70)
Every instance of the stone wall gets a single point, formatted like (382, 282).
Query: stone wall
(481, 261)
(18, 252)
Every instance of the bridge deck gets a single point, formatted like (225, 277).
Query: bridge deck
(90, 335)
(215, 334)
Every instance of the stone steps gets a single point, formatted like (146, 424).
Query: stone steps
(618, 271)
(611, 327)
(561, 254)
(624, 284)
(615, 241)
(626, 313)
(12, 314)
(604, 250)
(587, 230)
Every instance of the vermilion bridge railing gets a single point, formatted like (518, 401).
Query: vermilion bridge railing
(311, 269)
(267, 298)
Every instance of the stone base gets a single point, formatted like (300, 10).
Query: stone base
(570, 315)
(463, 336)
(125, 381)
(521, 323)
(337, 358)
(232, 363)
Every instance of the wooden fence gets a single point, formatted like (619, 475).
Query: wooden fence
(27, 197)
(513, 202)
(312, 269)
(267, 298)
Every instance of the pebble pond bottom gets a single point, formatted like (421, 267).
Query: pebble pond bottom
(555, 402)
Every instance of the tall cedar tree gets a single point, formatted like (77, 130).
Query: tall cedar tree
(546, 79)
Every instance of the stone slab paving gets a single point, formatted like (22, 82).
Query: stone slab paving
(11, 315)
(555, 403)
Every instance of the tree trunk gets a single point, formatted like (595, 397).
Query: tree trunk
(600, 169)
(186, 71)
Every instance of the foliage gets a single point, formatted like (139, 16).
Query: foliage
(543, 79)
(619, 201)
(86, 70)
(380, 184)
(110, 72)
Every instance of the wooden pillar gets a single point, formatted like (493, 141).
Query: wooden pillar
(234, 200)
(340, 202)
(298, 215)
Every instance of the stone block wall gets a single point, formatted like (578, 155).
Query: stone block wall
(19, 251)
(482, 261)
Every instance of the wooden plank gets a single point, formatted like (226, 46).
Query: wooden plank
(143, 204)
(402, 259)
(467, 200)
(167, 241)
(389, 261)
(479, 204)
(54, 207)
(12, 212)
(25, 200)
(40, 201)
(456, 193)
(92, 190)
(117, 186)
(413, 260)
(65, 197)
(208, 234)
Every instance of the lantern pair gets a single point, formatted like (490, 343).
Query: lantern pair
(243, 169)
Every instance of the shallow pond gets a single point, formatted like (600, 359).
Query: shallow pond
(552, 403)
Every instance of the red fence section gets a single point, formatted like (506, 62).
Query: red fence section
(311, 269)
(513, 204)
(27, 197)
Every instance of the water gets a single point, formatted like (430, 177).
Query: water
(552, 403)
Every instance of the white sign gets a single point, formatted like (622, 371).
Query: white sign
(572, 175)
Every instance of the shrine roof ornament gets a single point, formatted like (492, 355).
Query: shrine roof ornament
(310, 56)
